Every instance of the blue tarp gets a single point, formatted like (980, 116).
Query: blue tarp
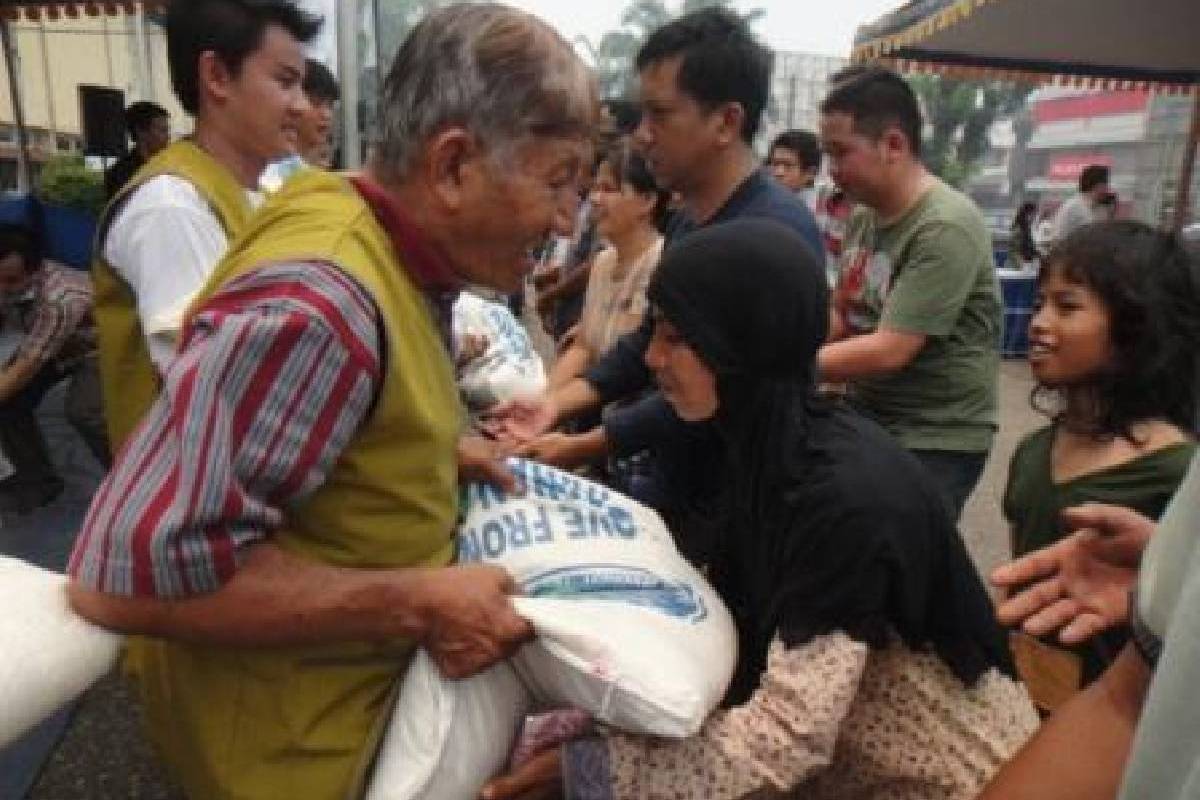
(66, 233)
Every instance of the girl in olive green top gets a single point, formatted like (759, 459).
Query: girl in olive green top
(1111, 349)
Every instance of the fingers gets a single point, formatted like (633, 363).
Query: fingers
(538, 779)
(1107, 520)
(1022, 605)
(1054, 616)
(1083, 627)
(475, 624)
(1031, 567)
(497, 473)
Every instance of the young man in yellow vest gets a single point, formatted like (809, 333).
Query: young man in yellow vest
(282, 520)
(237, 67)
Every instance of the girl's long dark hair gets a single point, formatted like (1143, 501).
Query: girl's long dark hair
(1144, 279)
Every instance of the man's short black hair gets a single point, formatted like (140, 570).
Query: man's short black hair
(721, 62)
(20, 239)
(804, 144)
(876, 99)
(138, 117)
(319, 83)
(1092, 176)
(233, 29)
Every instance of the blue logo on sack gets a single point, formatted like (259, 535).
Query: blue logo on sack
(618, 584)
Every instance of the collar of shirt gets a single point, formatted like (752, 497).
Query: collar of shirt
(746, 194)
(426, 265)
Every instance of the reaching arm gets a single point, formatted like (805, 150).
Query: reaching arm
(178, 540)
(1080, 753)
(17, 375)
(880, 353)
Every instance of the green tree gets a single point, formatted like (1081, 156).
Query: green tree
(395, 18)
(615, 53)
(959, 114)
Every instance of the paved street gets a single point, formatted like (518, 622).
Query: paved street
(103, 755)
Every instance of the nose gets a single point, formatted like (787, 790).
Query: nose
(563, 223)
(642, 137)
(300, 104)
(1039, 323)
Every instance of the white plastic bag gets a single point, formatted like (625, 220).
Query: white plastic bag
(447, 738)
(627, 631)
(49, 655)
(508, 368)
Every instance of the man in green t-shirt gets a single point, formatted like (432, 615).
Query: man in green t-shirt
(916, 313)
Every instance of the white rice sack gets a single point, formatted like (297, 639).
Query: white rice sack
(508, 368)
(627, 629)
(49, 655)
(447, 738)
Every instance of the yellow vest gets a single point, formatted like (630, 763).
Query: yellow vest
(129, 380)
(304, 722)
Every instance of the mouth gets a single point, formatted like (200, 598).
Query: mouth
(1039, 350)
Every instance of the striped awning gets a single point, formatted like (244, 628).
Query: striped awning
(73, 10)
(1106, 44)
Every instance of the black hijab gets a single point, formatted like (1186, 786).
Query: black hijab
(826, 523)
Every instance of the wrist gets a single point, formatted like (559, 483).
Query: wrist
(404, 607)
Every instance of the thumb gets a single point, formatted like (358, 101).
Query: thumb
(1105, 519)
(495, 471)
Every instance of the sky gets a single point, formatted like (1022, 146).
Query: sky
(812, 26)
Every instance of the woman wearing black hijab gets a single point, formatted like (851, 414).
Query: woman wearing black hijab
(870, 664)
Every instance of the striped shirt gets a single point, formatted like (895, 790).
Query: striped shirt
(273, 379)
(275, 376)
(57, 321)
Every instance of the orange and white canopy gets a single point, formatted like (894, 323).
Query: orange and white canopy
(1103, 44)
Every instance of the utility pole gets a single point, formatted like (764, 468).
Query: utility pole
(24, 178)
(347, 23)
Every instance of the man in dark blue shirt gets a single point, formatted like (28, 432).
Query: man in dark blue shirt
(704, 81)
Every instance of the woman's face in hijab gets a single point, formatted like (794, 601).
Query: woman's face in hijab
(686, 381)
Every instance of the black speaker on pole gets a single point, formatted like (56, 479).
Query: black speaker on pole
(102, 111)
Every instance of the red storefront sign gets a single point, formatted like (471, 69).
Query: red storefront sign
(1085, 106)
(1068, 167)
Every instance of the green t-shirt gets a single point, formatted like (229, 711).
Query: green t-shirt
(929, 272)
(1034, 502)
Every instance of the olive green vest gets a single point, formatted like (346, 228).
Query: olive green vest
(129, 380)
(304, 722)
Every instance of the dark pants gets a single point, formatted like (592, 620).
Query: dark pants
(36, 481)
(955, 474)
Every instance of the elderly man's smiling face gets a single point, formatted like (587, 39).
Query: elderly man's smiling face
(509, 203)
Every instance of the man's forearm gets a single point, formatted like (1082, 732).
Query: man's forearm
(275, 599)
(1080, 753)
(15, 377)
(569, 364)
(879, 353)
(575, 397)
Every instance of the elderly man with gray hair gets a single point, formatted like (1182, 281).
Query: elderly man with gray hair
(279, 529)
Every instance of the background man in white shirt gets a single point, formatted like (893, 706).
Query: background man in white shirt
(1080, 209)
(238, 67)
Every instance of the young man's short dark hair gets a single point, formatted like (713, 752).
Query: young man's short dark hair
(233, 29)
(138, 117)
(804, 144)
(319, 83)
(721, 61)
(876, 99)
(1092, 176)
(19, 239)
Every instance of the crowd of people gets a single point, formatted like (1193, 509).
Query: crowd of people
(794, 361)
